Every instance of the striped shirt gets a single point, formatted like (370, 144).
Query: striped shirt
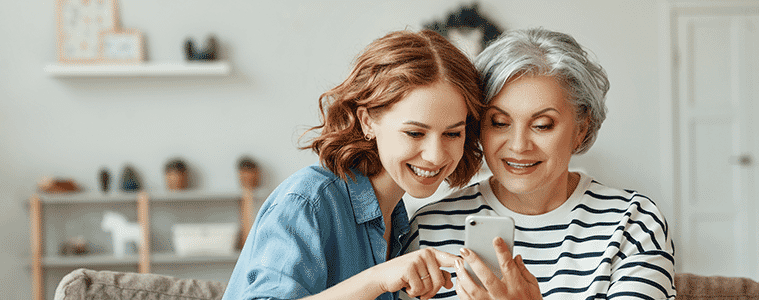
(602, 243)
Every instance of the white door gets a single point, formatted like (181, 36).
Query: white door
(717, 112)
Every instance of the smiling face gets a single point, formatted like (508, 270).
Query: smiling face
(420, 139)
(528, 134)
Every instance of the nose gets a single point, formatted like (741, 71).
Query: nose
(519, 140)
(434, 151)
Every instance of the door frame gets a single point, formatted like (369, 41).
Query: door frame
(669, 12)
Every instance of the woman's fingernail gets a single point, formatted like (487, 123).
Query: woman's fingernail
(458, 265)
(464, 251)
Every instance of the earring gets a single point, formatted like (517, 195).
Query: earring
(368, 137)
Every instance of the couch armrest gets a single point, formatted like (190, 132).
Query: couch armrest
(90, 284)
(696, 287)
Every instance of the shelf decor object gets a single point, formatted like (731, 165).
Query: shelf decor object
(206, 54)
(121, 46)
(211, 239)
(80, 23)
(468, 29)
(122, 232)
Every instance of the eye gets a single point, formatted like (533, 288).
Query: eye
(543, 126)
(414, 134)
(453, 134)
(499, 122)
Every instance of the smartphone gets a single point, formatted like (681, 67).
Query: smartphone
(479, 232)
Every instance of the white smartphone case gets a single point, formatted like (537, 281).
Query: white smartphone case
(479, 232)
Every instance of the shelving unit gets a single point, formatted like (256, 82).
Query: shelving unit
(148, 69)
(145, 258)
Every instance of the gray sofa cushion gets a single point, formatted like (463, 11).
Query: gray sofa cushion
(96, 285)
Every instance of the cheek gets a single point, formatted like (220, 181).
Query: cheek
(489, 141)
(393, 149)
(457, 149)
(560, 145)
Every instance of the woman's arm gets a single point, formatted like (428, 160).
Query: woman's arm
(646, 265)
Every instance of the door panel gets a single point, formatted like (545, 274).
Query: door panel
(717, 80)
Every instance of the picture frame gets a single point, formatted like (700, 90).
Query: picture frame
(80, 23)
(121, 46)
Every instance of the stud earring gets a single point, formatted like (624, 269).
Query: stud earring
(368, 137)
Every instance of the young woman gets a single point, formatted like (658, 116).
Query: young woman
(575, 238)
(402, 122)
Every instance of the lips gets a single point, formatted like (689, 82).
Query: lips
(521, 167)
(522, 164)
(424, 173)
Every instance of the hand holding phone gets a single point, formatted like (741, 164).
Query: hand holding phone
(479, 233)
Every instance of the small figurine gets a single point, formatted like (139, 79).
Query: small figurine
(75, 246)
(248, 173)
(105, 180)
(51, 185)
(209, 53)
(122, 232)
(129, 180)
(176, 175)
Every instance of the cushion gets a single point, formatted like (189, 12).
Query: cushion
(89, 284)
(696, 287)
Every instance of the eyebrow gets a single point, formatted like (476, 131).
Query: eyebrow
(540, 112)
(425, 126)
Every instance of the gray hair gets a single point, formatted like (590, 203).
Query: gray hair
(540, 52)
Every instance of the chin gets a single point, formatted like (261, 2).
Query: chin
(519, 186)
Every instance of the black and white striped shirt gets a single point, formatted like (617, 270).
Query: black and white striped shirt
(602, 243)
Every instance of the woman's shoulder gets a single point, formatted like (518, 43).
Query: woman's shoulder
(601, 196)
(309, 183)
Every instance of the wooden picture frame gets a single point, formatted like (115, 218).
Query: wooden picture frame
(122, 46)
(80, 23)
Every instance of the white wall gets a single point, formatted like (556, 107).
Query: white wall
(284, 55)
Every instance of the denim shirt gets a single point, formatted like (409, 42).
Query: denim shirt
(314, 231)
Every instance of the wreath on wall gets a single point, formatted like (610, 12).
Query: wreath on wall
(467, 29)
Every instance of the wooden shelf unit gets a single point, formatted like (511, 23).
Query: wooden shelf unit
(144, 258)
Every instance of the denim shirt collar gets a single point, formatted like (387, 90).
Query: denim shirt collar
(364, 201)
(366, 206)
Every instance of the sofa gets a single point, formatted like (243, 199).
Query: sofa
(91, 284)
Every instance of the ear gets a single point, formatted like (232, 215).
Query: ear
(365, 120)
(582, 131)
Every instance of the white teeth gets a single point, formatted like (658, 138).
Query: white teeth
(521, 166)
(423, 173)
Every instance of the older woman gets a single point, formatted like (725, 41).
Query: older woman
(575, 238)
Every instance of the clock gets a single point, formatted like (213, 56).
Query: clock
(80, 23)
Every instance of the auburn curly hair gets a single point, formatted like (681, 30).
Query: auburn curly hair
(384, 73)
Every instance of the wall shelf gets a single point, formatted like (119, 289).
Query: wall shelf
(99, 260)
(116, 197)
(148, 69)
(90, 260)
